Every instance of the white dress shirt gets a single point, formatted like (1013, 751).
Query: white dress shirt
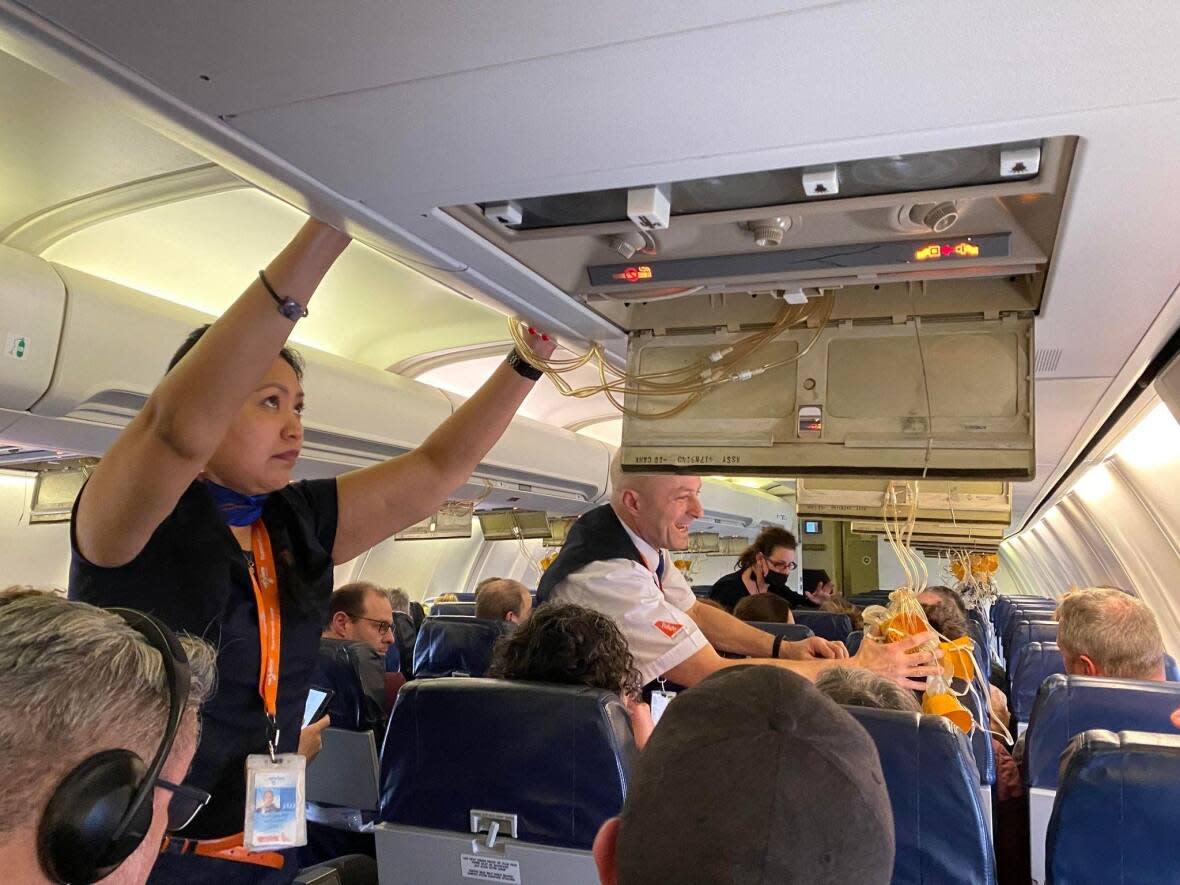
(652, 617)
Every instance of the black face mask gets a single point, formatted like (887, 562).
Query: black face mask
(776, 580)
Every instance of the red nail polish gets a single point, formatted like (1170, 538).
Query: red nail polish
(544, 337)
(532, 331)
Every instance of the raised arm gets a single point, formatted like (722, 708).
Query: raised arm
(378, 501)
(147, 469)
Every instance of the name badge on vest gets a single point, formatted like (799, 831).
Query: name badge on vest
(276, 806)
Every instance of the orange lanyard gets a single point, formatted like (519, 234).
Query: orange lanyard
(266, 594)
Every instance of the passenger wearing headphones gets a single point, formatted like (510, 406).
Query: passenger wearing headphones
(98, 731)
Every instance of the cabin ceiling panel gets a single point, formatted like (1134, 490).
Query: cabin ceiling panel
(1062, 405)
(203, 252)
(265, 54)
(56, 144)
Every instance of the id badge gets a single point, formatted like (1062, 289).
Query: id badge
(659, 703)
(276, 807)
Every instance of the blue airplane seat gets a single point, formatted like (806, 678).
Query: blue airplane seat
(443, 609)
(1038, 661)
(1027, 632)
(853, 641)
(829, 625)
(1067, 706)
(567, 754)
(938, 814)
(789, 632)
(1171, 671)
(456, 646)
(1117, 811)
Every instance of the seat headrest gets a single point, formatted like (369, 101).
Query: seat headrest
(1025, 633)
(1038, 661)
(942, 835)
(456, 646)
(334, 671)
(979, 641)
(980, 738)
(789, 632)
(1116, 810)
(1068, 705)
(450, 609)
(829, 625)
(1171, 671)
(557, 756)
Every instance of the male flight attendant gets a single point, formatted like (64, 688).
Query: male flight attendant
(615, 560)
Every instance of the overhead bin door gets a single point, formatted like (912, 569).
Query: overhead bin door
(952, 398)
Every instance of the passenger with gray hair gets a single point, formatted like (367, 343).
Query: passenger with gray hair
(82, 688)
(399, 599)
(1103, 631)
(856, 687)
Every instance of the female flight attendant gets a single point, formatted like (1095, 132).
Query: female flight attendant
(191, 516)
(763, 567)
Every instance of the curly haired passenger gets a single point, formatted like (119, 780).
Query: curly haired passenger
(568, 644)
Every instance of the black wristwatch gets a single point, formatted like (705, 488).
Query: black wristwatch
(288, 307)
(521, 367)
(778, 643)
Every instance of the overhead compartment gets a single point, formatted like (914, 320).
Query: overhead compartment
(32, 309)
(929, 268)
(112, 345)
(745, 511)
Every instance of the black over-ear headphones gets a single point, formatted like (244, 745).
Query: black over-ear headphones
(102, 810)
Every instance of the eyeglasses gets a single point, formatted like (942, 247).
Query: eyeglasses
(780, 566)
(183, 806)
(382, 626)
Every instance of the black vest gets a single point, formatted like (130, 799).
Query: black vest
(598, 534)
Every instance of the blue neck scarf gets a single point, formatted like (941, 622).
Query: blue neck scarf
(235, 508)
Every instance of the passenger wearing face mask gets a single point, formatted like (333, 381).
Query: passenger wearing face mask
(192, 516)
(763, 567)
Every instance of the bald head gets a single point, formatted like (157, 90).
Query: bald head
(659, 507)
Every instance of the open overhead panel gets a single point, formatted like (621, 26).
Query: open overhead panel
(866, 317)
(940, 502)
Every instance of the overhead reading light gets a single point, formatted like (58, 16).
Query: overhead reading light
(509, 525)
(768, 231)
(938, 217)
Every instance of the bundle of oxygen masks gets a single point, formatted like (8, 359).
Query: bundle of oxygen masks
(904, 617)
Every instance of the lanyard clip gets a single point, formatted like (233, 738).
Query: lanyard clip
(272, 736)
